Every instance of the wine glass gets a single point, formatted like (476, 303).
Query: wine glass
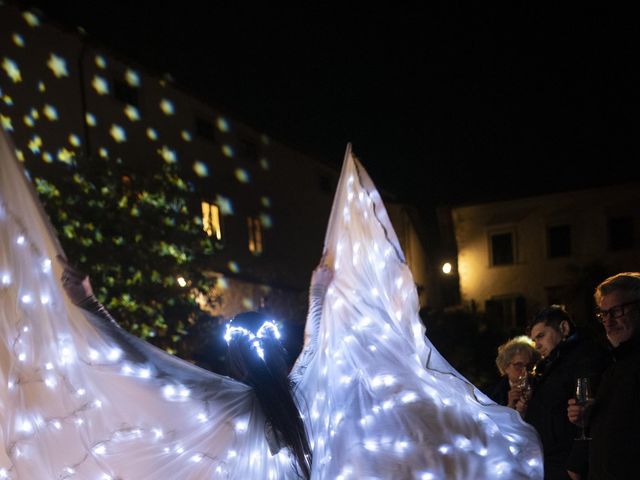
(584, 398)
(522, 383)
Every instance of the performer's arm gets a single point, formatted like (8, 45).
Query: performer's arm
(78, 288)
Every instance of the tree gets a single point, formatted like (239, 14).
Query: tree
(139, 237)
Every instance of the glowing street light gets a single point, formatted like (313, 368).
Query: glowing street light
(446, 268)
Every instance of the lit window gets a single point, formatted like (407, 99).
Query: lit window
(211, 220)
(255, 235)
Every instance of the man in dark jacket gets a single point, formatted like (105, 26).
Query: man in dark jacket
(614, 418)
(567, 354)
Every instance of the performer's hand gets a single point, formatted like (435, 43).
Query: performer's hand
(575, 413)
(76, 284)
(322, 276)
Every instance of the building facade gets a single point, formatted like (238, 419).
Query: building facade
(517, 256)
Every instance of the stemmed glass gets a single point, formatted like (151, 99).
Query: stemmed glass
(584, 397)
(524, 386)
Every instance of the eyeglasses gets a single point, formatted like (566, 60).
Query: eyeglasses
(614, 312)
(521, 366)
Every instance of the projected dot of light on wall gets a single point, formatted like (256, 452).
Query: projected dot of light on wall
(225, 205)
(58, 66)
(74, 140)
(100, 62)
(265, 220)
(100, 85)
(17, 39)
(222, 124)
(167, 107)
(118, 133)
(6, 123)
(132, 78)
(227, 151)
(36, 107)
(242, 175)
(132, 113)
(31, 19)
(200, 169)
(50, 112)
(168, 155)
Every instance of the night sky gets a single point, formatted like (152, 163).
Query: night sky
(443, 104)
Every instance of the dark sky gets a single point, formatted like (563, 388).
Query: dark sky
(443, 103)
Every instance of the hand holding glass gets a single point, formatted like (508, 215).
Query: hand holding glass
(584, 397)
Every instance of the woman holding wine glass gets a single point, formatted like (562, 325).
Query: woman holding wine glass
(515, 359)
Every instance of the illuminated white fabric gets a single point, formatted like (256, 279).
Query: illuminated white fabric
(81, 398)
(375, 411)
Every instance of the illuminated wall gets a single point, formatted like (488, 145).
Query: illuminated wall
(535, 274)
(404, 219)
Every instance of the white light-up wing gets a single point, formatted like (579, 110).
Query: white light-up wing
(382, 402)
(80, 398)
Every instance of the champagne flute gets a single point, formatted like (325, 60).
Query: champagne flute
(584, 398)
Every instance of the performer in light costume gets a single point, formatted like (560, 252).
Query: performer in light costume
(80, 398)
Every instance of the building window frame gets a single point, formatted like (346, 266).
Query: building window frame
(256, 237)
(504, 259)
(211, 219)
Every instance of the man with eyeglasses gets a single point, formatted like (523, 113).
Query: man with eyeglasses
(613, 420)
(567, 353)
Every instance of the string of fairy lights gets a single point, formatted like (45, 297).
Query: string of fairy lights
(388, 389)
(51, 373)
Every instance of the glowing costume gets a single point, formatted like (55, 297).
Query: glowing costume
(81, 398)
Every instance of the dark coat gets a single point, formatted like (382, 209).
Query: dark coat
(554, 386)
(614, 419)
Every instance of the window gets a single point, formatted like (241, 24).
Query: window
(125, 93)
(502, 248)
(255, 235)
(620, 233)
(559, 241)
(211, 220)
(204, 129)
(507, 311)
